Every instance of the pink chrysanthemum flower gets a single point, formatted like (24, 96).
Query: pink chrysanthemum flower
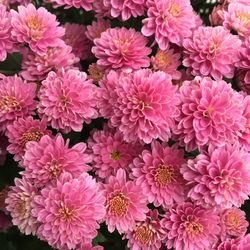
(95, 73)
(141, 104)
(212, 51)
(36, 67)
(46, 160)
(242, 243)
(237, 17)
(170, 21)
(85, 4)
(121, 48)
(6, 42)
(157, 172)
(125, 9)
(220, 177)
(146, 235)
(110, 152)
(215, 18)
(189, 226)
(211, 113)
(244, 62)
(18, 203)
(76, 38)
(16, 100)
(67, 99)
(69, 210)
(233, 223)
(100, 9)
(22, 131)
(96, 28)
(3, 148)
(37, 27)
(125, 204)
(167, 61)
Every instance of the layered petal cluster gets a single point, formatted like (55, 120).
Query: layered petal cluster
(16, 100)
(36, 27)
(46, 160)
(212, 51)
(125, 204)
(157, 172)
(242, 243)
(141, 105)
(110, 152)
(67, 99)
(18, 204)
(220, 177)
(170, 21)
(211, 113)
(189, 226)
(121, 48)
(85, 4)
(68, 211)
(244, 62)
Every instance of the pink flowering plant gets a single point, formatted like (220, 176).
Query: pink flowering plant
(124, 124)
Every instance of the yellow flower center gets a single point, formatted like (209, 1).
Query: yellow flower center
(194, 228)
(244, 17)
(118, 204)
(21, 207)
(34, 23)
(115, 155)
(9, 103)
(174, 9)
(65, 212)
(162, 59)
(164, 175)
(34, 135)
(233, 220)
(143, 234)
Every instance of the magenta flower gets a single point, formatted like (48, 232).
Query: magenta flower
(189, 226)
(110, 152)
(16, 100)
(170, 21)
(157, 172)
(220, 177)
(125, 204)
(142, 105)
(36, 27)
(121, 48)
(211, 113)
(212, 51)
(67, 99)
(68, 211)
(46, 160)
(18, 203)
(242, 243)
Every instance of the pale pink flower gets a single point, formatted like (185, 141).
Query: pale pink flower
(220, 177)
(68, 211)
(125, 204)
(85, 4)
(157, 172)
(121, 48)
(212, 51)
(67, 99)
(22, 131)
(46, 160)
(36, 27)
(16, 100)
(211, 113)
(18, 203)
(189, 226)
(170, 21)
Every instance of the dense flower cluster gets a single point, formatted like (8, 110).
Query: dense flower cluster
(128, 118)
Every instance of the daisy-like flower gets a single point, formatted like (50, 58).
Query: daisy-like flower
(68, 211)
(237, 17)
(146, 235)
(121, 48)
(22, 131)
(125, 9)
(110, 152)
(220, 177)
(233, 223)
(125, 204)
(170, 21)
(46, 160)
(36, 27)
(18, 203)
(167, 61)
(211, 113)
(189, 226)
(36, 67)
(142, 105)
(76, 38)
(212, 51)
(67, 99)
(157, 172)
(6, 42)
(85, 4)
(16, 100)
